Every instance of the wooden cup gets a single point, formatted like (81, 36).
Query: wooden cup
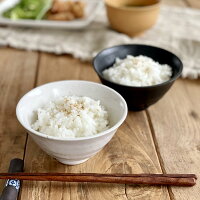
(132, 17)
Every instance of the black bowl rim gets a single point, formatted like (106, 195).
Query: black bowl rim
(176, 76)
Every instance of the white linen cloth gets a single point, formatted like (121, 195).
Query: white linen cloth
(177, 30)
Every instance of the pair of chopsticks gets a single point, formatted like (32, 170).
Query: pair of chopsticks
(149, 179)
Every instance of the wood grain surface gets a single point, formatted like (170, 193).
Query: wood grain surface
(17, 72)
(175, 122)
(165, 138)
(178, 137)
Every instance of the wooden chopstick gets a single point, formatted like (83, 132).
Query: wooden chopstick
(150, 179)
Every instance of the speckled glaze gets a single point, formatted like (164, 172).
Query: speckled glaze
(77, 150)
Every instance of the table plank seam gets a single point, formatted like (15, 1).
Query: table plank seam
(155, 142)
(125, 185)
(37, 70)
(161, 162)
(34, 85)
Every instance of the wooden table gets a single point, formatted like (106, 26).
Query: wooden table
(163, 139)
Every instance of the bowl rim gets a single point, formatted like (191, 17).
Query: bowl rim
(32, 131)
(176, 76)
(134, 8)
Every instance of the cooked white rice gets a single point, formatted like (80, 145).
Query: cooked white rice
(71, 117)
(138, 71)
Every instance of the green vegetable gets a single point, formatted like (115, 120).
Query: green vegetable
(29, 9)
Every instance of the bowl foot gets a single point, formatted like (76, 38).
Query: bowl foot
(71, 162)
(137, 109)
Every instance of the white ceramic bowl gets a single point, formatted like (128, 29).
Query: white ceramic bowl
(78, 150)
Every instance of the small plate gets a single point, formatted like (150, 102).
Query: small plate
(91, 9)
